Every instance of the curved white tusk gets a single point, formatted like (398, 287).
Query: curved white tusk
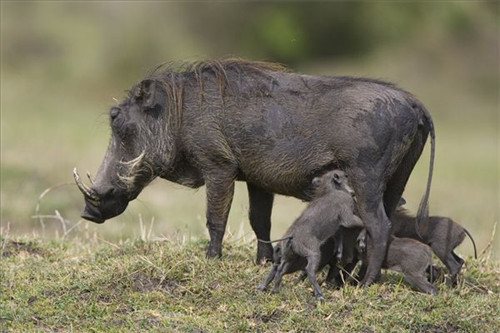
(87, 192)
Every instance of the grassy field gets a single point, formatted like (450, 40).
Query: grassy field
(62, 65)
(89, 285)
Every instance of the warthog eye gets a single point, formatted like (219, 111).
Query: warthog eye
(117, 121)
(114, 112)
(121, 125)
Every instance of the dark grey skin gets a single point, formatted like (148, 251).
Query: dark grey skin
(404, 255)
(347, 257)
(350, 244)
(412, 258)
(299, 263)
(442, 234)
(215, 122)
(331, 208)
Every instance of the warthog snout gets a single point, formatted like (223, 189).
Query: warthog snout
(92, 213)
(101, 203)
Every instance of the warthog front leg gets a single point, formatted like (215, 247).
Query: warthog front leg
(220, 192)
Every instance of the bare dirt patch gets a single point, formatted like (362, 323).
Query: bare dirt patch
(14, 248)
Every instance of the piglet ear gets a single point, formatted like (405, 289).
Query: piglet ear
(316, 181)
(147, 92)
(336, 178)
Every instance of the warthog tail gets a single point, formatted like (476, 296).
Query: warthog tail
(473, 242)
(423, 208)
(274, 241)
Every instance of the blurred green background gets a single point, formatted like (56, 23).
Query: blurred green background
(63, 63)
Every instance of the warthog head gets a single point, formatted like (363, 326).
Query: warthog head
(141, 145)
(336, 179)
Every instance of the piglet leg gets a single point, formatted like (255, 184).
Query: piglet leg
(311, 268)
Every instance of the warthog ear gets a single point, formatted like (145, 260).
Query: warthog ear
(147, 92)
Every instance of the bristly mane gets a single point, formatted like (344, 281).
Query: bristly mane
(216, 67)
(172, 76)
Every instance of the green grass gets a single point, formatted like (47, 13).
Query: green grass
(90, 285)
(54, 106)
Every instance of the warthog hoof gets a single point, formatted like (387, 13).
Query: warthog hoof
(264, 253)
(432, 291)
(213, 253)
(366, 283)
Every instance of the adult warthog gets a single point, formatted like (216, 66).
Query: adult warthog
(214, 122)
